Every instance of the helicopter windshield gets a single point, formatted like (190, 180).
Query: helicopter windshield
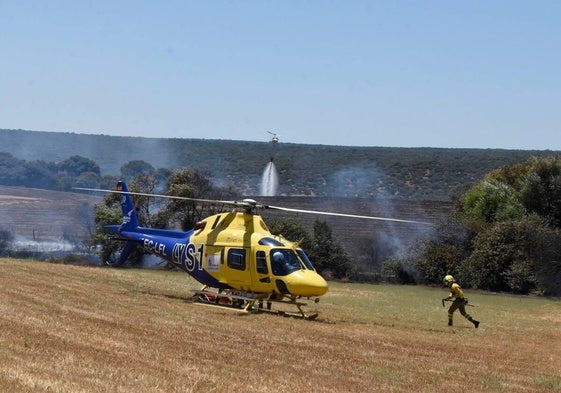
(284, 261)
(305, 259)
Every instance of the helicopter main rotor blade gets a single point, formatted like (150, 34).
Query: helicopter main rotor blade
(210, 201)
(251, 204)
(287, 209)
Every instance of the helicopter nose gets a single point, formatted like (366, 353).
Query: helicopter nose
(306, 283)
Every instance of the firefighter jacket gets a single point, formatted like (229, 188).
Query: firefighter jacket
(455, 292)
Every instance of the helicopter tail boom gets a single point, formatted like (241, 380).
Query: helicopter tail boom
(130, 219)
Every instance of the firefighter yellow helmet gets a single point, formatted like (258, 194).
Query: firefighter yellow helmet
(448, 279)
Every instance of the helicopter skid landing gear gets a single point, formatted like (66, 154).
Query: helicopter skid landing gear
(292, 301)
(250, 302)
(244, 302)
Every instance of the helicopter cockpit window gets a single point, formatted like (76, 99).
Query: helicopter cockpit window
(236, 258)
(305, 259)
(284, 261)
(261, 262)
(269, 241)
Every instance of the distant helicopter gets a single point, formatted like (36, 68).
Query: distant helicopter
(234, 255)
(274, 141)
(274, 138)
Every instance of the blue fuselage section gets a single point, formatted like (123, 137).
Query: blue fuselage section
(173, 246)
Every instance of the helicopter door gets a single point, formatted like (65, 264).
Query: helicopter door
(260, 277)
(237, 268)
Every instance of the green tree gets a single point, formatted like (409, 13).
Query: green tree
(110, 213)
(541, 189)
(6, 239)
(491, 201)
(108, 182)
(12, 170)
(516, 190)
(328, 256)
(106, 213)
(136, 167)
(292, 230)
(76, 165)
(39, 174)
(511, 232)
(145, 205)
(88, 180)
(188, 183)
(514, 256)
(443, 252)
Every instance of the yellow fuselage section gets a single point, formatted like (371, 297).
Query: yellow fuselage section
(240, 252)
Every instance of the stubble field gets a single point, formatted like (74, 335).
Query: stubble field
(89, 329)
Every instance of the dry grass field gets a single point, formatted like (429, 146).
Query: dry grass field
(87, 329)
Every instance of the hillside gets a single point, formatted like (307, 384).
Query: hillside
(312, 170)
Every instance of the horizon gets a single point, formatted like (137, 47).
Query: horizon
(280, 142)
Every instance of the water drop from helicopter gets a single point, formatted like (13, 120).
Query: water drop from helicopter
(270, 177)
(270, 180)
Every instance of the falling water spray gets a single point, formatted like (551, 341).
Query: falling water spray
(270, 177)
(270, 180)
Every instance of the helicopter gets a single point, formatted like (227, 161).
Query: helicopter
(274, 141)
(233, 254)
(274, 138)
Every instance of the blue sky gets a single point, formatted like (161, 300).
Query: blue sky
(465, 74)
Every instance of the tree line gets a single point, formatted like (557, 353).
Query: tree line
(312, 170)
(59, 176)
(75, 171)
(504, 234)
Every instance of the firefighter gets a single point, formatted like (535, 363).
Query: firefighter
(459, 303)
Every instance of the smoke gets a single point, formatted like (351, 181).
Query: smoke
(355, 182)
(380, 241)
(20, 243)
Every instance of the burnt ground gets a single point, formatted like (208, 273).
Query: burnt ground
(43, 215)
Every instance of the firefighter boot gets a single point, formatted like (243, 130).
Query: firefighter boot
(469, 318)
(475, 322)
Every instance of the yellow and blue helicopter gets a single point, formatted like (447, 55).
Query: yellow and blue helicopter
(234, 255)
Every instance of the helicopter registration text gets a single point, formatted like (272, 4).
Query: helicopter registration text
(154, 247)
(185, 255)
